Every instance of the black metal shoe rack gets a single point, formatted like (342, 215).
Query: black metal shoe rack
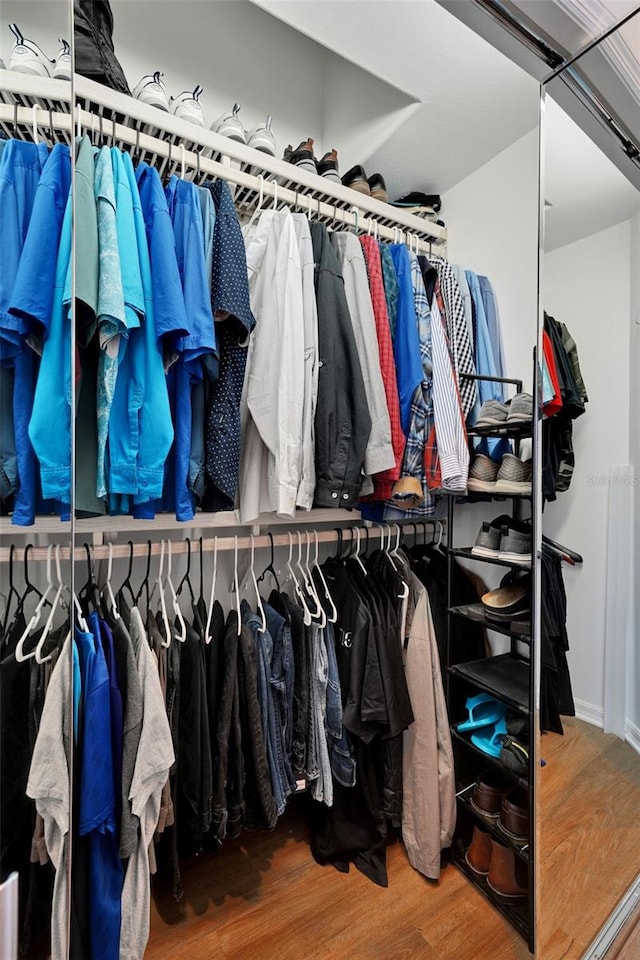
(510, 678)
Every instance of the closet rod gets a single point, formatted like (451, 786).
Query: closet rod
(223, 544)
(180, 160)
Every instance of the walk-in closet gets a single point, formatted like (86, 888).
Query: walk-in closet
(319, 331)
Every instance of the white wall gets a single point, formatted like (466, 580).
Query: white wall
(492, 219)
(42, 21)
(579, 517)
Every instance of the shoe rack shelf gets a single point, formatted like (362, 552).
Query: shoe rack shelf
(504, 677)
(478, 754)
(491, 824)
(520, 631)
(509, 677)
(468, 554)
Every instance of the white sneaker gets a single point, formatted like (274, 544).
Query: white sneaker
(187, 106)
(261, 138)
(229, 125)
(150, 89)
(62, 69)
(27, 57)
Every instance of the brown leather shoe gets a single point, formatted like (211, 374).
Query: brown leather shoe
(489, 792)
(478, 856)
(507, 873)
(514, 815)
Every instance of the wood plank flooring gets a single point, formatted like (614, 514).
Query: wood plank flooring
(263, 897)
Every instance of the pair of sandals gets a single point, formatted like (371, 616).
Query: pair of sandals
(489, 723)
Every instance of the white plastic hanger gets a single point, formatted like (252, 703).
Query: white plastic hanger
(236, 584)
(394, 555)
(334, 610)
(275, 194)
(356, 555)
(312, 587)
(56, 600)
(183, 161)
(258, 209)
(263, 616)
(207, 633)
(108, 588)
(306, 579)
(298, 590)
(182, 635)
(37, 613)
(163, 603)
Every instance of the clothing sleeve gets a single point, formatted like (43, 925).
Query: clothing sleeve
(379, 455)
(449, 423)
(406, 343)
(275, 374)
(456, 324)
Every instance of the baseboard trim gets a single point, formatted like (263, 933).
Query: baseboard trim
(589, 712)
(632, 735)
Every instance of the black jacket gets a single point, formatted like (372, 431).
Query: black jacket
(342, 424)
(94, 54)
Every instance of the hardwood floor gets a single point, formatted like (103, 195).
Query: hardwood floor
(263, 897)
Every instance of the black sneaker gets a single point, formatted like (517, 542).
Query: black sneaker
(378, 187)
(328, 166)
(418, 199)
(356, 178)
(302, 156)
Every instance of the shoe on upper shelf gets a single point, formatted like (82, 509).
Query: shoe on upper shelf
(262, 138)
(187, 106)
(302, 156)
(520, 408)
(328, 166)
(229, 125)
(150, 89)
(416, 200)
(356, 178)
(62, 69)
(27, 57)
(488, 540)
(493, 413)
(378, 187)
(504, 539)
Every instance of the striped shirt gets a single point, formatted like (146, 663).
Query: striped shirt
(457, 331)
(449, 419)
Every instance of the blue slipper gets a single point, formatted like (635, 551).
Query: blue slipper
(490, 738)
(483, 710)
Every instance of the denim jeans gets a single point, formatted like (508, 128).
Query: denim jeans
(228, 768)
(282, 683)
(300, 687)
(273, 737)
(321, 788)
(343, 764)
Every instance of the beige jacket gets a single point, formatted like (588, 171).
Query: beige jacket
(428, 781)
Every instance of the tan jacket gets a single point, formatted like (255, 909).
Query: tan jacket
(428, 781)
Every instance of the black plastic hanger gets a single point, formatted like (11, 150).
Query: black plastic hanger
(12, 591)
(145, 582)
(89, 596)
(187, 578)
(270, 567)
(127, 583)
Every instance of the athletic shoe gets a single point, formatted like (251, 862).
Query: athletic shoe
(514, 476)
(515, 542)
(229, 125)
(328, 167)
(521, 408)
(302, 156)
(150, 89)
(418, 199)
(62, 69)
(27, 57)
(262, 138)
(187, 106)
(488, 540)
(356, 178)
(378, 187)
(493, 413)
(482, 474)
